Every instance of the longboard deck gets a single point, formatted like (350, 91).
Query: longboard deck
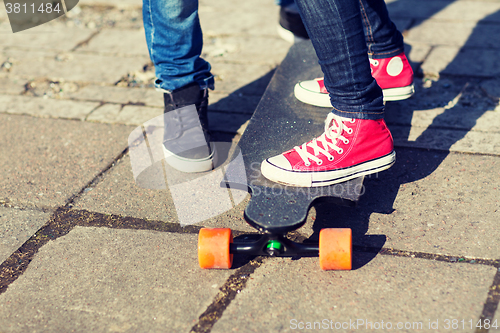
(279, 123)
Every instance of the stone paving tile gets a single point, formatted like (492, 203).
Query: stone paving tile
(250, 78)
(257, 18)
(45, 107)
(416, 53)
(126, 115)
(240, 49)
(55, 37)
(112, 41)
(455, 61)
(492, 89)
(101, 280)
(453, 104)
(16, 227)
(450, 114)
(441, 203)
(11, 86)
(115, 3)
(148, 197)
(444, 10)
(283, 293)
(420, 9)
(402, 24)
(235, 102)
(53, 159)
(469, 34)
(89, 68)
(459, 115)
(3, 15)
(119, 95)
(470, 11)
(450, 33)
(118, 194)
(98, 16)
(447, 140)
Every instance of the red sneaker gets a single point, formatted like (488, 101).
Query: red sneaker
(394, 75)
(349, 148)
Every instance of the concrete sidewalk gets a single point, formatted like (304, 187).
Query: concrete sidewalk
(85, 249)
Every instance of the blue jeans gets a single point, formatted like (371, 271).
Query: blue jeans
(381, 35)
(337, 30)
(174, 39)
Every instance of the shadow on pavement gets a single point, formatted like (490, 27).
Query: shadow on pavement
(459, 102)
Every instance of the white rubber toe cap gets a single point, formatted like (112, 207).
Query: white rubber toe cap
(310, 86)
(274, 167)
(279, 170)
(309, 92)
(280, 161)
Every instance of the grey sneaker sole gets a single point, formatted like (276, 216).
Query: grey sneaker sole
(190, 165)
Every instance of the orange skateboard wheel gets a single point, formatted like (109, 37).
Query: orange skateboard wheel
(213, 248)
(335, 249)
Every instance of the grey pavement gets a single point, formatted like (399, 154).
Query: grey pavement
(85, 247)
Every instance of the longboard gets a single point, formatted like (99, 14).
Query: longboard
(279, 123)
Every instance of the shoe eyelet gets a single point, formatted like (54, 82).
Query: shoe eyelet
(352, 121)
(307, 164)
(349, 131)
(346, 141)
(330, 158)
(319, 163)
(340, 151)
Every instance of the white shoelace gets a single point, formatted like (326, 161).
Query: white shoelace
(334, 127)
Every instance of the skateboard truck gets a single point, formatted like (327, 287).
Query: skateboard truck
(274, 246)
(216, 248)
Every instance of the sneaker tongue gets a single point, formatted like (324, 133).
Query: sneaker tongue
(333, 123)
(334, 127)
(335, 120)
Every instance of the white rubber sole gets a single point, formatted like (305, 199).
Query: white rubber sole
(191, 165)
(398, 94)
(323, 100)
(325, 178)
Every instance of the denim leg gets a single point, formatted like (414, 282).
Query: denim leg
(336, 31)
(382, 37)
(174, 39)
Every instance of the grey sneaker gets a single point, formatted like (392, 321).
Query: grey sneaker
(186, 140)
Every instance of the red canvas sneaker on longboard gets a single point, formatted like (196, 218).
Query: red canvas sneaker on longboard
(394, 75)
